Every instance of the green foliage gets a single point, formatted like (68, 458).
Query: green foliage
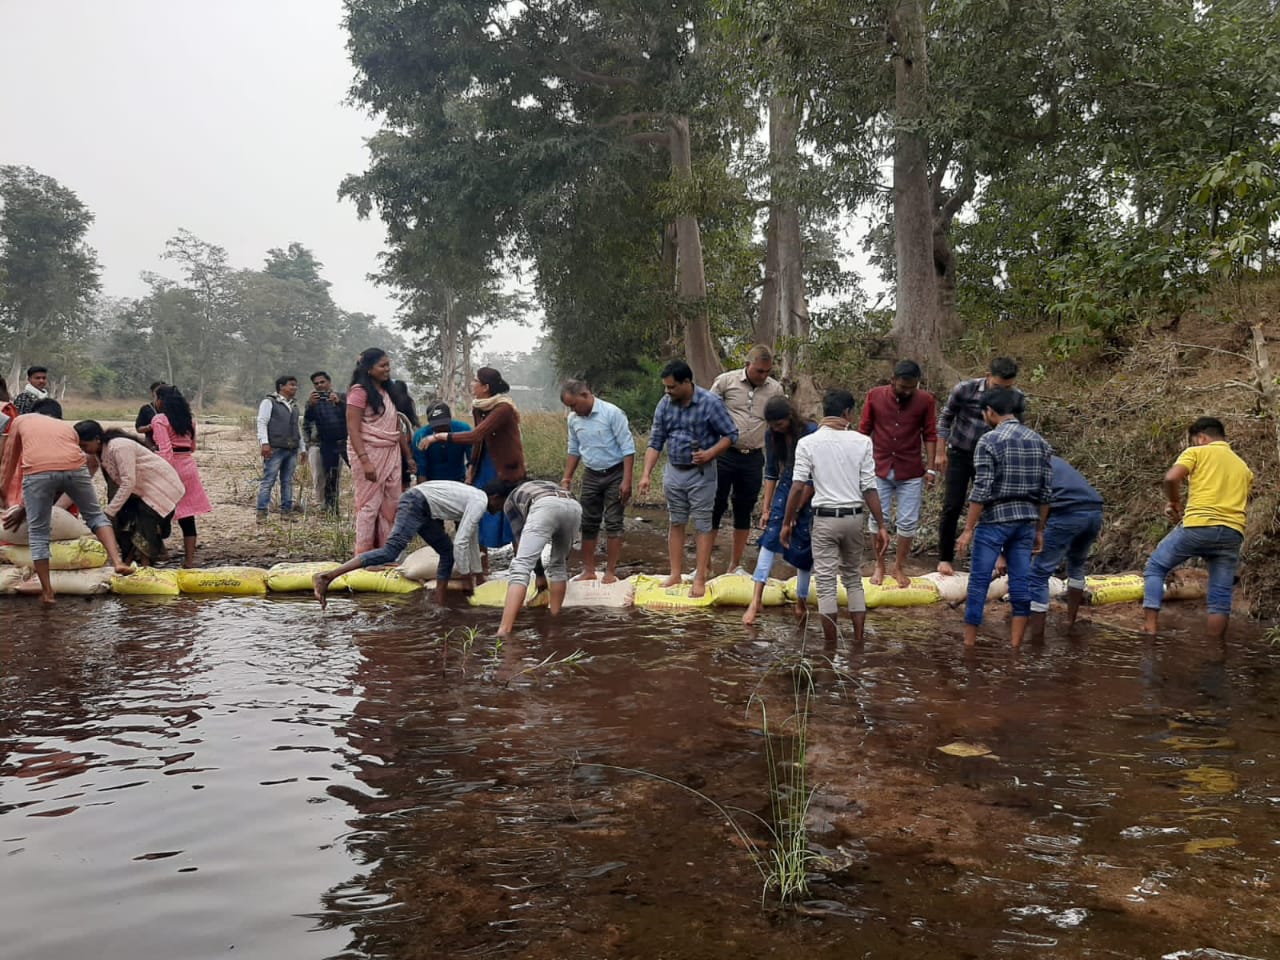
(48, 274)
(637, 392)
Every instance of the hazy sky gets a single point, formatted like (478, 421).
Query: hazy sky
(225, 117)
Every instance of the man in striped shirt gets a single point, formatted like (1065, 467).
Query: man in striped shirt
(1008, 508)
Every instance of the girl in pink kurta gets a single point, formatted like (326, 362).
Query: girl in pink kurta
(173, 432)
(373, 446)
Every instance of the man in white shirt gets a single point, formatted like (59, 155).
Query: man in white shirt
(281, 442)
(423, 510)
(836, 470)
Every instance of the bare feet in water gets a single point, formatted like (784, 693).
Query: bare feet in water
(320, 587)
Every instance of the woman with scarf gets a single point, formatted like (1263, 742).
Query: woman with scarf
(173, 432)
(373, 448)
(786, 427)
(144, 490)
(497, 451)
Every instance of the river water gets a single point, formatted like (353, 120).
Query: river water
(253, 778)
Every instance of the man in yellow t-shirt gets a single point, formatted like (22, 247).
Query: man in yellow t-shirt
(1212, 526)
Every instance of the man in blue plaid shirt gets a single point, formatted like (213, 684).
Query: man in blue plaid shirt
(695, 427)
(1008, 508)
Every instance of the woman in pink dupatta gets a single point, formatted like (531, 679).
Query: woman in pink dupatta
(373, 446)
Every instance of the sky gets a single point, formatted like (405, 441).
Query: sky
(226, 117)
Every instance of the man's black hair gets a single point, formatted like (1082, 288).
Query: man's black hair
(48, 407)
(32, 371)
(1004, 368)
(1209, 426)
(677, 370)
(1002, 400)
(155, 385)
(320, 373)
(906, 370)
(283, 379)
(498, 487)
(837, 402)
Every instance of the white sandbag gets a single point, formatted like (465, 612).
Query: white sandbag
(593, 593)
(421, 564)
(998, 590)
(1057, 588)
(71, 583)
(952, 589)
(62, 526)
(10, 577)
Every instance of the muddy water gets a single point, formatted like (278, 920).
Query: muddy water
(247, 777)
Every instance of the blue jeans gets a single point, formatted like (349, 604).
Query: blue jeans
(413, 515)
(1069, 535)
(910, 494)
(1015, 541)
(1218, 546)
(40, 491)
(281, 463)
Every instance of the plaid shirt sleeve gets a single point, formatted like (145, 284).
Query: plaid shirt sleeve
(516, 509)
(985, 472)
(658, 432)
(720, 423)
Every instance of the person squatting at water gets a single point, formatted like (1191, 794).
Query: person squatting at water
(540, 512)
(600, 438)
(835, 471)
(144, 490)
(1075, 520)
(49, 454)
(1210, 527)
(786, 428)
(1008, 507)
(695, 427)
(899, 418)
(745, 393)
(959, 427)
(422, 510)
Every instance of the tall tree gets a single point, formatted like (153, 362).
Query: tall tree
(207, 273)
(48, 274)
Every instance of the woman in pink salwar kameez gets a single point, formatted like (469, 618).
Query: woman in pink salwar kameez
(373, 446)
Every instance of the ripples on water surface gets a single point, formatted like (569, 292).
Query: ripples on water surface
(187, 778)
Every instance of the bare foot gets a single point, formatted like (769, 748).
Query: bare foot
(900, 575)
(698, 588)
(441, 592)
(586, 575)
(749, 618)
(320, 587)
(609, 578)
(672, 581)
(946, 569)
(877, 576)
(48, 599)
(802, 609)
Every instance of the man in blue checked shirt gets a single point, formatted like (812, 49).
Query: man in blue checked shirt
(600, 438)
(695, 427)
(1008, 508)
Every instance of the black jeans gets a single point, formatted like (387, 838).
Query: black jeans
(333, 453)
(743, 473)
(959, 476)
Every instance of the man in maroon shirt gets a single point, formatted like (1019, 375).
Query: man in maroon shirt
(898, 418)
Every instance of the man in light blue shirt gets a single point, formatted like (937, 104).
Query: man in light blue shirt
(600, 437)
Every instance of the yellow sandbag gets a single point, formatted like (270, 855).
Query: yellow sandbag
(71, 583)
(10, 577)
(791, 586)
(652, 594)
(421, 564)
(235, 581)
(736, 590)
(84, 553)
(920, 592)
(493, 593)
(147, 582)
(389, 580)
(1118, 589)
(593, 593)
(296, 577)
(62, 526)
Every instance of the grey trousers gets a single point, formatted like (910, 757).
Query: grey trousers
(553, 520)
(837, 550)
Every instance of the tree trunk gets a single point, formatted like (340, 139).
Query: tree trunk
(16, 380)
(691, 279)
(917, 326)
(450, 349)
(669, 264)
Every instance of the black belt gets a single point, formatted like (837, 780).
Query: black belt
(605, 472)
(747, 451)
(687, 466)
(836, 511)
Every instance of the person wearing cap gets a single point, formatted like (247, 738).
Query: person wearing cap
(441, 461)
(740, 469)
(600, 438)
(325, 424)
